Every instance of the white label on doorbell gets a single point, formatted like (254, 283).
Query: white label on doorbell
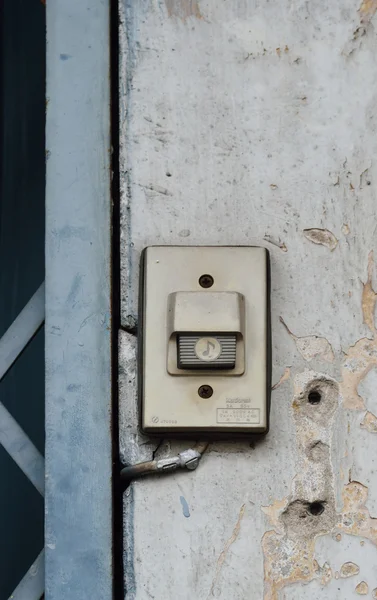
(238, 415)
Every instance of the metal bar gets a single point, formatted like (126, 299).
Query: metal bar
(78, 337)
(15, 441)
(31, 586)
(22, 330)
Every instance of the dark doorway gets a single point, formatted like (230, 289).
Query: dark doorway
(22, 226)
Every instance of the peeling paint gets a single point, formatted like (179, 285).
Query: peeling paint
(133, 445)
(223, 554)
(364, 174)
(362, 588)
(360, 359)
(208, 115)
(153, 190)
(274, 511)
(367, 10)
(276, 242)
(355, 518)
(327, 574)
(369, 422)
(362, 356)
(349, 569)
(183, 9)
(374, 593)
(346, 228)
(289, 548)
(286, 562)
(355, 42)
(324, 237)
(286, 375)
(311, 346)
(369, 297)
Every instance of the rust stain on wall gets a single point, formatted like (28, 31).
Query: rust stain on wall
(311, 346)
(183, 9)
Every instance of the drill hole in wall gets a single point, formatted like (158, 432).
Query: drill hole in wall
(314, 397)
(206, 281)
(316, 508)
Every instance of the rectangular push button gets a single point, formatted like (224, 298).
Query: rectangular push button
(206, 352)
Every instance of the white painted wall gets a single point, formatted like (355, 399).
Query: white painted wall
(249, 122)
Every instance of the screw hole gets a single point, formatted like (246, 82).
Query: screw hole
(206, 281)
(314, 397)
(205, 391)
(316, 508)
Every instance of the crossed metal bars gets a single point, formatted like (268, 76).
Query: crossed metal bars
(12, 437)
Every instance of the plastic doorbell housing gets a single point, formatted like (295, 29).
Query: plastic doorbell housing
(204, 341)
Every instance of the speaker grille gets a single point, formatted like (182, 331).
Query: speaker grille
(194, 351)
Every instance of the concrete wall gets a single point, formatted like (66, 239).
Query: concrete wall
(249, 122)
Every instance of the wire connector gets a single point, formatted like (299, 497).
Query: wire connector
(187, 459)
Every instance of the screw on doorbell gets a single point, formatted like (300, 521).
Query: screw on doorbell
(205, 391)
